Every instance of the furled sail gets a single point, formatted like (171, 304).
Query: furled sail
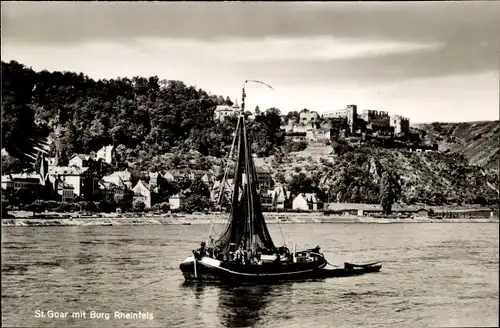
(246, 222)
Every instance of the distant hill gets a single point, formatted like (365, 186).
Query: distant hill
(477, 141)
(354, 176)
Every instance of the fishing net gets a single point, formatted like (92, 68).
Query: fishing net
(246, 223)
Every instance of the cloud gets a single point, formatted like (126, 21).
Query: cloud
(47, 22)
(319, 48)
(423, 39)
(309, 51)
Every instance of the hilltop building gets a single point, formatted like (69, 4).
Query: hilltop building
(378, 118)
(401, 124)
(349, 114)
(224, 111)
(307, 117)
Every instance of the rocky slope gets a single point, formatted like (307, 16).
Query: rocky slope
(477, 141)
(431, 178)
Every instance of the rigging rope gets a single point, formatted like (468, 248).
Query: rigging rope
(152, 282)
(323, 256)
(222, 186)
(282, 236)
(227, 165)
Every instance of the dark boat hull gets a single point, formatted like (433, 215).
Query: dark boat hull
(208, 269)
(350, 270)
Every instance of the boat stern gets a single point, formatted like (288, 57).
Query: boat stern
(204, 269)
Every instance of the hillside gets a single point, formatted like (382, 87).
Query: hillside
(144, 118)
(157, 125)
(354, 176)
(477, 141)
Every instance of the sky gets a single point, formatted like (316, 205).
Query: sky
(429, 61)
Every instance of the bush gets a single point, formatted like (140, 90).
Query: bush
(161, 207)
(294, 146)
(139, 207)
(196, 203)
(87, 206)
(106, 206)
(4, 211)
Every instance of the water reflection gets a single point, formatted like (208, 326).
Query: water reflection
(237, 305)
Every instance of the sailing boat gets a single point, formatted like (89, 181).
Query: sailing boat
(245, 251)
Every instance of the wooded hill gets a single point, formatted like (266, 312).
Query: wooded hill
(143, 117)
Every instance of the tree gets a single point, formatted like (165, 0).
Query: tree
(198, 187)
(387, 194)
(106, 206)
(294, 146)
(161, 207)
(4, 213)
(300, 183)
(18, 119)
(340, 147)
(10, 165)
(257, 110)
(196, 203)
(139, 206)
(125, 204)
(280, 178)
(293, 115)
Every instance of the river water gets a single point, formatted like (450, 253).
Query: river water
(433, 275)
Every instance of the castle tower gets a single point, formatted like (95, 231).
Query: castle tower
(352, 114)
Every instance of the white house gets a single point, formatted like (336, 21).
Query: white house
(168, 176)
(280, 196)
(223, 111)
(306, 116)
(114, 179)
(307, 201)
(80, 160)
(65, 190)
(143, 193)
(153, 179)
(176, 201)
(76, 176)
(111, 191)
(106, 153)
(125, 177)
(208, 178)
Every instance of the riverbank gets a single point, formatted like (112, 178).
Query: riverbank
(207, 219)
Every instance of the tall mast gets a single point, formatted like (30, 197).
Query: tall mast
(247, 224)
(247, 171)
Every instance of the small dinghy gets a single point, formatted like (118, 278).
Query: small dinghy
(349, 269)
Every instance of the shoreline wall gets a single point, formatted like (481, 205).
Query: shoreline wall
(40, 222)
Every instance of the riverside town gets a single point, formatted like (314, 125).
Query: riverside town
(347, 161)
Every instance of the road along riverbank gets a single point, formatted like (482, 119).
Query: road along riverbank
(207, 219)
